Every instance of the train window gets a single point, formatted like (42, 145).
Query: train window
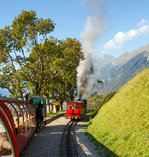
(13, 112)
(68, 105)
(77, 106)
(74, 106)
(19, 113)
(6, 146)
(2, 129)
(25, 108)
(29, 108)
(7, 120)
(23, 115)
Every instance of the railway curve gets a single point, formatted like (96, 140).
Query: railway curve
(68, 145)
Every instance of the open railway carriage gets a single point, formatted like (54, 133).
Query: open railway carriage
(76, 109)
(17, 125)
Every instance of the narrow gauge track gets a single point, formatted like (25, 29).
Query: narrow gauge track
(68, 146)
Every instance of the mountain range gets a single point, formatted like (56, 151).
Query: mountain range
(120, 70)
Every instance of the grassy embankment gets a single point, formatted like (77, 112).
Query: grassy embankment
(122, 124)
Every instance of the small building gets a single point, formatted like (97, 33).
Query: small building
(55, 106)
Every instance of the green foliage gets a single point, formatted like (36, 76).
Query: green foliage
(13, 82)
(64, 65)
(39, 68)
(26, 34)
(122, 124)
(93, 102)
(31, 60)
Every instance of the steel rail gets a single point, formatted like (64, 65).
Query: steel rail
(70, 146)
(74, 139)
(62, 139)
(69, 150)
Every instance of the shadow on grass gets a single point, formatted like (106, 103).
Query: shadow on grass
(103, 150)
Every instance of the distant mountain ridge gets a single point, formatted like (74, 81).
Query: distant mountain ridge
(123, 68)
(124, 58)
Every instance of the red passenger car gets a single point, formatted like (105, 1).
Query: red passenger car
(17, 125)
(75, 109)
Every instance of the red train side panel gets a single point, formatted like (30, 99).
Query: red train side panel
(8, 140)
(75, 109)
(23, 119)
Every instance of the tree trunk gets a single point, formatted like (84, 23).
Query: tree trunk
(52, 107)
(38, 90)
(61, 105)
(47, 95)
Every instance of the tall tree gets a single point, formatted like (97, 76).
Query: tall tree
(64, 85)
(26, 34)
(40, 66)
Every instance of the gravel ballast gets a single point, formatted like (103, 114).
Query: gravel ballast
(47, 141)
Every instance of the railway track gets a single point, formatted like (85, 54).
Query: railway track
(68, 146)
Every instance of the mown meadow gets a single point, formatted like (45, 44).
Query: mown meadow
(121, 126)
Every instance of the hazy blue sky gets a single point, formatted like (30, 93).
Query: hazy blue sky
(125, 22)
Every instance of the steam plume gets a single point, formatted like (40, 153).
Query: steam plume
(87, 79)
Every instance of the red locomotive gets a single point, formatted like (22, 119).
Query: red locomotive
(76, 109)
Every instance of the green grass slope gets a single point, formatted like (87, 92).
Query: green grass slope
(122, 124)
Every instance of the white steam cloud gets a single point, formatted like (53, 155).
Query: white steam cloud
(87, 79)
(121, 37)
(93, 29)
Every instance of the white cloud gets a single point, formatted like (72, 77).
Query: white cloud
(121, 37)
(143, 22)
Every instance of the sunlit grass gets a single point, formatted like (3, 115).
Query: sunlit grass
(122, 124)
(49, 114)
